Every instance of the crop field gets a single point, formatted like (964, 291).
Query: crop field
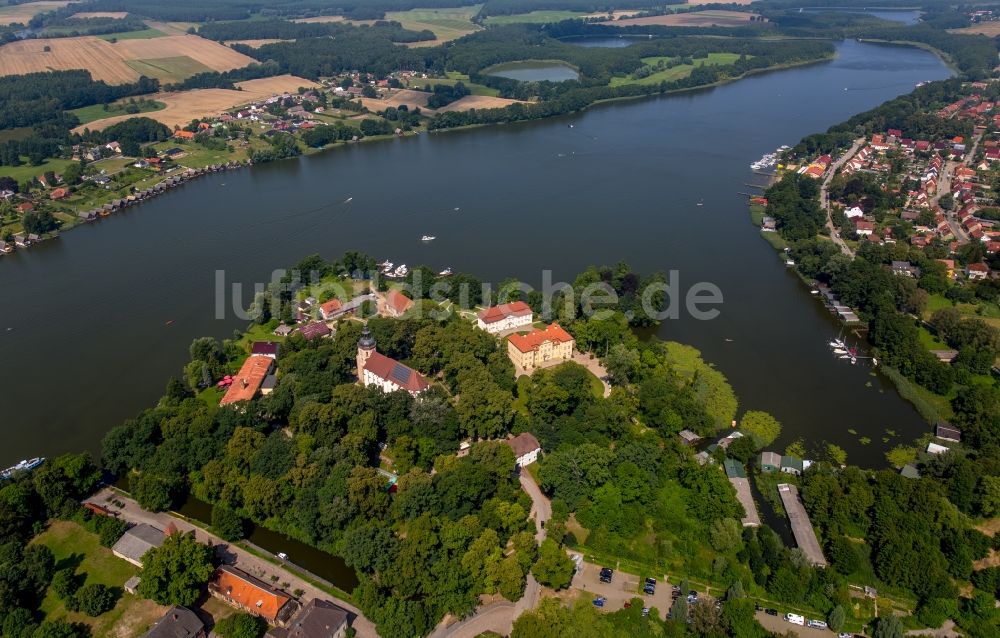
(170, 57)
(184, 106)
(470, 102)
(447, 24)
(405, 97)
(536, 17)
(991, 29)
(168, 70)
(114, 15)
(255, 44)
(142, 34)
(22, 13)
(691, 19)
(321, 19)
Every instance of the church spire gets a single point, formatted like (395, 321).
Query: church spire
(367, 341)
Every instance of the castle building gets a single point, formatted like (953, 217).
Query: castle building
(389, 375)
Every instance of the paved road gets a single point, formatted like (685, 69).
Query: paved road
(236, 556)
(499, 617)
(824, 197)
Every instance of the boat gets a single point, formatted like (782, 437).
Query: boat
(839, 351)
(401, 271)
(854, 361)
(844, 356)
(789, 263)
(446, 272)
(837, 343)
(428, 238)
(282, 555)
(24, 466)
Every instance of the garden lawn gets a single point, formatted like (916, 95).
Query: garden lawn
(73, 546)
(26, 171)
(87, 114)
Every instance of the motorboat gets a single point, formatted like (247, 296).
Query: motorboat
(428, 238)
(24, 466)
(446, 272)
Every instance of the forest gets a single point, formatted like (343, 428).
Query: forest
(287, 30)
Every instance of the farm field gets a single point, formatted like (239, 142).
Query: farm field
(470, 102)
(110, 61)
(451, 80)
(168, 70)
(184, 106)
(73, 546)
(94, 112)
(991, 29)
(536, 17)
(677, 72)
(22, 13)
(447, 24)
(405, 96)
(321, 19)
(255, 44)
(143, 34)
(114, 15)
(694, 19)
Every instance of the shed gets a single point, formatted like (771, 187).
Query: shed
(770, 461)
(688, 437)
(792, 465)
(132, 585)
(934, 448)
(734, 469)
(947, 432)
(909, 471)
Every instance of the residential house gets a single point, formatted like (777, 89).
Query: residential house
(243, 591)
(181, 134)
(396, 303)
(284, 330)
(376, 369)
(509, 316)
(136, 541)
(25, 207)
(864, 227)
(58, 193)
(329, 309)
(525, 447)
(317, 619)
(793, 465)
(977, 271)
(768, 225)
(854, 212)
(114, 147)
(178, 622)
(528, 351)
(934, 448)
(248, 380)
(265, 349)
(316, 330)
(905, 269)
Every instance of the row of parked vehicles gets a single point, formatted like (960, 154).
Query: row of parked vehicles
(798, 619)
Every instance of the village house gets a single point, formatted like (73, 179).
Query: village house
(243, 591)
(178, 622)
(248, 380)
(505, 317)
(864, 227)
(526, 449)
(396, 303)
(317, 619)
(528, 351)
(328, 310)
(905, 269)
(136, 541)
(265, 349)
(385, 373)
(977, 271)
(316, 330)
(181, 134)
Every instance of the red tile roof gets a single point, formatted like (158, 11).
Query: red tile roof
(534, 339)
(398, 301)
(313, 330)
(501, 312)
(248, 592)
(330, 307)
(394, 371)
(248, 379)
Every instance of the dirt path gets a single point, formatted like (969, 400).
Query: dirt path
(824, 196)
(235, 556)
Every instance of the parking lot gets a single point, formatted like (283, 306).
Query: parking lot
(622, 587)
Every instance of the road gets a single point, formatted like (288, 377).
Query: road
(824, 197)
(499, 617)
(234, 555)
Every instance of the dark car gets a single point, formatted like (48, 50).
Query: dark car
(757, 607)
(771, 612)
(651, 581)
(606, 574)
(649, 589)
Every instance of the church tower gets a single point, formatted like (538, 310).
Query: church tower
(366, 346)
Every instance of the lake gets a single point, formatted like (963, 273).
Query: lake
(906, 16)
(93, 323)
(602, 42)
(534, 71)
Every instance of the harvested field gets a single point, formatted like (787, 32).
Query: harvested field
(22, 13)
(184, 106)
(410, 98)
(171, 58)
(114, 15)
(690, 19)
(470, 102)
(256, 44)
(97, 56)
(992, 29)
(212, 54)
(321, 19)
(447, 24)
(172, 28)
(615, 15)
(701, 2)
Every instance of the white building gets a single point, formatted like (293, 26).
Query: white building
(389, 375)
(526, 448)
(496, 319)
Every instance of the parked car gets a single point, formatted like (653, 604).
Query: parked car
(771, 612)
(844, 634)
(645, 611)
(649, 590)
(651, 581)
(599, 601)
(628, 604)
(606, 574)
(816, 624)
(795, 619)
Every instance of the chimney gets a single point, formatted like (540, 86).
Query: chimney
(244, 382)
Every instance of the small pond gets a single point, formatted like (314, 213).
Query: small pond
(535, 71)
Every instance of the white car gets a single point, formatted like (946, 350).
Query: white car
(817, 624)
(795, 619)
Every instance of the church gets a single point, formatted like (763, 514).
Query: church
(374, 368)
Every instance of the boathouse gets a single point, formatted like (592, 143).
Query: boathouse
(802, 529)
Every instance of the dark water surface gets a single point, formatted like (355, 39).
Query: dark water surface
(535, 71)
(84, 336)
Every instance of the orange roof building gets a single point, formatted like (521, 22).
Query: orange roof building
(396, 303)
(531, 350)
(58, 193)
(181, 134)
(248, 380)
(329, 309)
(505, 317)
(243, 591)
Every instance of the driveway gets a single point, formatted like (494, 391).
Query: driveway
(622, 587)
(237, 556)
(780, 626)
(824, 197)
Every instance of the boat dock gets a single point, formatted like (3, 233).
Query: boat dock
(805, 535)
(738, 477)
(844, 313)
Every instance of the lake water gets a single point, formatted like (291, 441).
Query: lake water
(535, 71)
(84, 331)
(906, 16)
(602, 42)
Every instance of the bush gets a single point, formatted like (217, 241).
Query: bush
(227, 523)
(240, 626)
(65, 584)
(95, 599)
(110, 529)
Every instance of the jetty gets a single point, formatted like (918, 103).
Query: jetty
(805, 535)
